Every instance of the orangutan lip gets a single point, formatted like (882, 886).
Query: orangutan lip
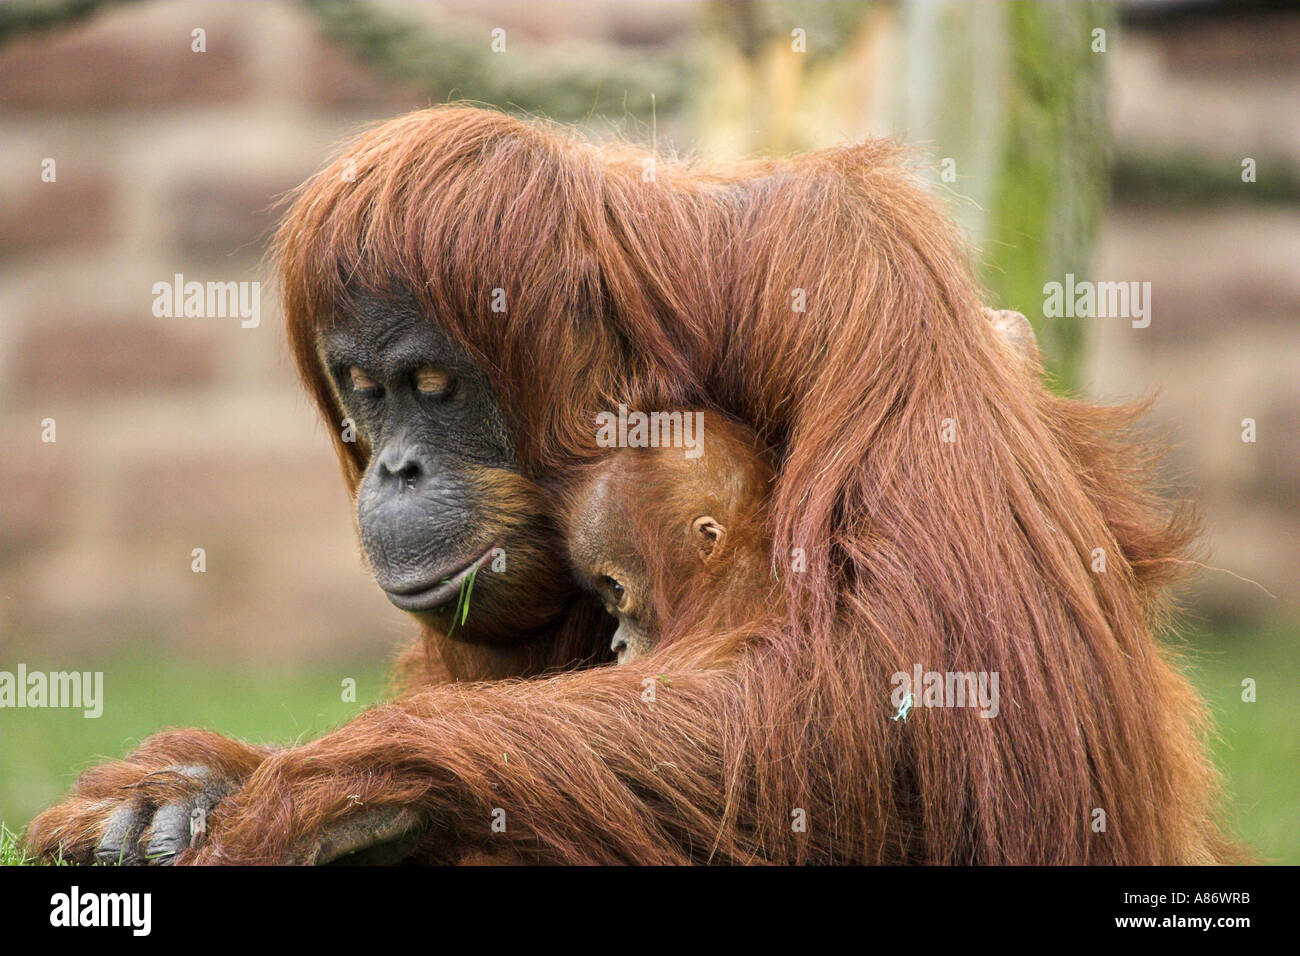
(429, 596)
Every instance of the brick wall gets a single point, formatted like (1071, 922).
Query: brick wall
(1225, 330)
(172, 433)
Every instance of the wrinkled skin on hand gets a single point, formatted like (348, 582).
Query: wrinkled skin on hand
(149, 808)
(173, 800)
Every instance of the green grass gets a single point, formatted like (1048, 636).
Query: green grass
(11, 853)
(1257, 745)
(41, 750)
(461, 612)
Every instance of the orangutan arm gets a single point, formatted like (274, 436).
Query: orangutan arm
(580, 768)
(155, 803)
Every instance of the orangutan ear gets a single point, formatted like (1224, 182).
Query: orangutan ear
(1015, 331)
(708, 535)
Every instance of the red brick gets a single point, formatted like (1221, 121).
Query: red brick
(337, 80)
(107, 63)
(36, 487)
(74, 209)
(87, 358)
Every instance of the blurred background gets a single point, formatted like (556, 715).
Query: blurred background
(1140, 141)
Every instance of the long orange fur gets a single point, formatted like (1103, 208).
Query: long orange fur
(958, 556)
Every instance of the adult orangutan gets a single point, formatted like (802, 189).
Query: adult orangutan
(470, 289)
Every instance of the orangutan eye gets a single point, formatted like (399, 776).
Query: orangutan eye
(613, 590)
(361, 382)
(434, 381)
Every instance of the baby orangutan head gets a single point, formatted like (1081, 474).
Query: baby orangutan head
(652, 531)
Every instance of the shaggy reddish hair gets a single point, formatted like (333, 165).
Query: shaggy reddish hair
(959, 556)
(676, 291)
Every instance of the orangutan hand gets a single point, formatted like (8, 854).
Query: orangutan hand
(148, 808)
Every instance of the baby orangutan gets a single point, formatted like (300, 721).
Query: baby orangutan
(661, 537)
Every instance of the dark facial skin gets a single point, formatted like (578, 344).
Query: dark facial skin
(442, 496)
(607, 555)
